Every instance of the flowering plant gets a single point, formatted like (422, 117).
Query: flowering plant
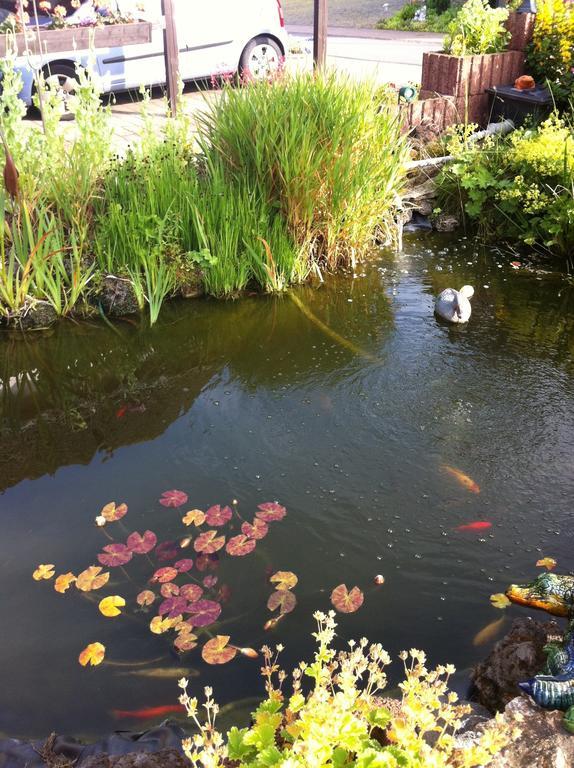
(550, 55)
(61, 14)
(342, 722)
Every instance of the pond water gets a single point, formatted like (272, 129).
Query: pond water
(252, 400)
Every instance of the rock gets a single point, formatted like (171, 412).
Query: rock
(544, 743)
(516, 657)
(165, 758)
(427, 132)
(192, 287)
(117, 297)
(39, 314)
(446, 222)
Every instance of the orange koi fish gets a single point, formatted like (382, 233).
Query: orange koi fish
(489, 632)
(147, 713)
(478, 525)
(466, 481)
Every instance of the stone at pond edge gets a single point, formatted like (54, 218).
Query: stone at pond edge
(446, 222)
(39, 314)
(165, 758)
(544, 742)
(516, 657)
(117, 297)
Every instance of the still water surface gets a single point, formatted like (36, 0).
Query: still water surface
(253, 401)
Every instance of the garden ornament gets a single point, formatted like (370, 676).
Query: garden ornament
(454, 306)
(554, 688)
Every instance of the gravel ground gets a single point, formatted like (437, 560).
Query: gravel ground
(342, 13)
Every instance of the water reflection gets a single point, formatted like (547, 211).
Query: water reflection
(253, 400)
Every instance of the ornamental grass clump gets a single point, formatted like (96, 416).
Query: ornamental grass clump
(333, 716)
(318, 150)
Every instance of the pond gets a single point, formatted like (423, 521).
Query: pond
(348, 424)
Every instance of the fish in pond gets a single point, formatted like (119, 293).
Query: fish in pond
(162, 673)
(478, 525)
(489, 632)
(121, 412)
(147, 713)
(462, 478)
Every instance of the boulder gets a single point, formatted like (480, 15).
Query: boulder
(39, 314)
(515, 658)
(117, 297)
(165, 758)
(446, 222)
(543, 743)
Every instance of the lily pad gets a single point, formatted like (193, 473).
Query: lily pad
(270, 511)
(347, 601)
(239, 546)
(218, 516)
(141, 544)
(218, 651)
(173, 499)
(282, 599)
(209, 542)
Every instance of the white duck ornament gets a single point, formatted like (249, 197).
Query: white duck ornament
(454, 306)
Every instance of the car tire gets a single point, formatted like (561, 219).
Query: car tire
(65, 79)
(261, 58)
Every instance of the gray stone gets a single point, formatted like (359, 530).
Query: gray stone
(117, 297)
(544, 742)
(516, 657)
(446, 222)
(39, 314)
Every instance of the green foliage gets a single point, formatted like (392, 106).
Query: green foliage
(284, 177)
(319, 151)
(438, 18)
(519, 188)
(550, 54)
(477, 29)
(341, 722)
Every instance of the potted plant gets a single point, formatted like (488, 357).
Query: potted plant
(95, 27)
(475, 57)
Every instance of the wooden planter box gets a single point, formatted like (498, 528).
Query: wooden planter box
(521, 27)
(462, 76)
(466, 78)
(76, 38)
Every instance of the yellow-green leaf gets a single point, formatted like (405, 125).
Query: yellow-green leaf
(110, 606)
(499, 600)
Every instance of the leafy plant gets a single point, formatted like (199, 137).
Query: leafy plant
(550, 53)
(519, 188)
(342, 722)
(436, 20)
(477, 29)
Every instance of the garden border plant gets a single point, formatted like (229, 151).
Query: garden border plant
(285, 177)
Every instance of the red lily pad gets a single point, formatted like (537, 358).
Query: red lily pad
(115, 555)
(141, 545)
(209, 542)
(270, 511)
(191, 592)
(145, 598)
(203, 612)
(218, 651)
(206, 562)
(163, 575)
(173, 499)
(258, 530)
(218, 516)
(167, 550)
(346, 601)
(169, 589)
(282, 599)
(172, 607)
(186, 641)
(239, 546)
(209, 581)
(112, 513)
(184, 565)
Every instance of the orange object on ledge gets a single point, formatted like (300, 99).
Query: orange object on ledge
(524, 83)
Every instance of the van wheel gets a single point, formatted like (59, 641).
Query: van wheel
(63, 79)
(260, 59)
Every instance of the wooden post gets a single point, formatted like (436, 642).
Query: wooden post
(171, 54)
(320, 34)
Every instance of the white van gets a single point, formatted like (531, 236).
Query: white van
(214, 37)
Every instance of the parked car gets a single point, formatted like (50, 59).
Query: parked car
(214, 37)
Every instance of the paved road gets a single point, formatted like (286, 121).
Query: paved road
(387, 55)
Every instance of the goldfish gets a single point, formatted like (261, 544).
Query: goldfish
(489, 632)
(121, 412)
(466, 481)
(251, 653)
(477, 525)
(147, 713)
(272, 623)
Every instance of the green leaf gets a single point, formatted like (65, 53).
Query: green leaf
(236, 745)
(379, 717)
(270, 756)
(262, 736)
(269, 705)
(373, 758)
(340, 758)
